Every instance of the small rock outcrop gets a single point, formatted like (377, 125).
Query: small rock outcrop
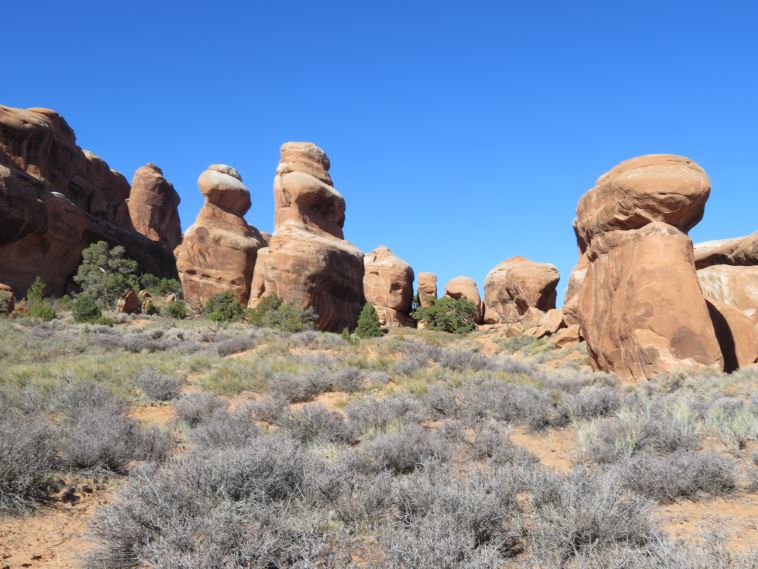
(388, 286)
(465, 287)
(307, 261)
(640, 306)
(427, 288)
(219, 250)
(738, 251)
(129, 303)
(516, 286)
(56, 199)
(153, 207)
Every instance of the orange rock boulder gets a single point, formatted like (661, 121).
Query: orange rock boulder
(388, 285)
(427, 288)
(517, 285)
(219, 250)
(465, 287)
(739, 251)
(153, 207)
(307, 261)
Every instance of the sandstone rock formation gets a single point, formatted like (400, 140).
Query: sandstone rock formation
(129, 303)
(55, 199)
(465, 287)
(388, 285)
(548, 324)
(153, 207)
(740, 251)
(733, 286)
(737, 335)
(640, 306)
(427, 288)
(7, 301)
(307, 261)
(517, 285)
(219, 250)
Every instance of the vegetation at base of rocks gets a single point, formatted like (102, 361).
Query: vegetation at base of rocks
(368, 323)
(39, 306)
(224, 307)
(86, 309)
(457, 316)
(272, 312)
(160, 286)
(105, 273)
(176, 309)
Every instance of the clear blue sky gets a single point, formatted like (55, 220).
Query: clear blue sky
(460, 133)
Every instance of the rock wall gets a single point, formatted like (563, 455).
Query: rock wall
(388, 285)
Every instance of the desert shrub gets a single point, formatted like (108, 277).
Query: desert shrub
(224, 307)
(158, 286)
(368, 323)
(401, 451)
(491, 441)
(304, 386)
(85, 309)
(370, 416)
(733, 420)
(682, 474)
(39, 306)
(235, 345)
(158, 386)
(447, 314)
(593, 401)
(588, 511)
(273, 312)
(225, 429)
(176, 309)
(194, 408)
(105, 273)
(315, 423)
(27, 460)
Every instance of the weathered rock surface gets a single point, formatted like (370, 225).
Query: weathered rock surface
(548, 324)
(7, 301)
(219, 250)
(427, 288)
(733, 286)
(737, 335)
(129, 303)
(153, 207)
(655, 187)
(465, 287)
(388, 285)
(55, 199)
(516, 285)
(641, 309)
(307, 261)
(740, 251)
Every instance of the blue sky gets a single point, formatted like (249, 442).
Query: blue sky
(460, 133)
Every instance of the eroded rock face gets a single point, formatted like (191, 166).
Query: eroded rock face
(516, 285)
(465, 287)
(736, 333)
(427, 288)
(655, 187)
(219, 250)
(733, 286)
(739, 251)
(55, 199)
(153, 207)
(388, 285)
(640, 307)
(307, 261)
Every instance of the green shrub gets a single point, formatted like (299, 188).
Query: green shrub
(6, 302)
(158, 286)
(177, 309)
(105, 273)
(64, 303)
(446, 314)
(368, 323)
(273, 312)
(223, 307)
(39, 306)
(85, 309)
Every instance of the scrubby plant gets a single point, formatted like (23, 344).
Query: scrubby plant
(457, 316)
(86, 309)
(39, 306)
(224, 307)
(194, 408)
(159, 286)
(158, 386)
(272, 312)
(177, 309)
(368, 323)
(105, 273)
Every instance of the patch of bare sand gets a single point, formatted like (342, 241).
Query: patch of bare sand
(160, 415)
(55, 537)
(735, 515)
(333, 401)
(555, 448)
